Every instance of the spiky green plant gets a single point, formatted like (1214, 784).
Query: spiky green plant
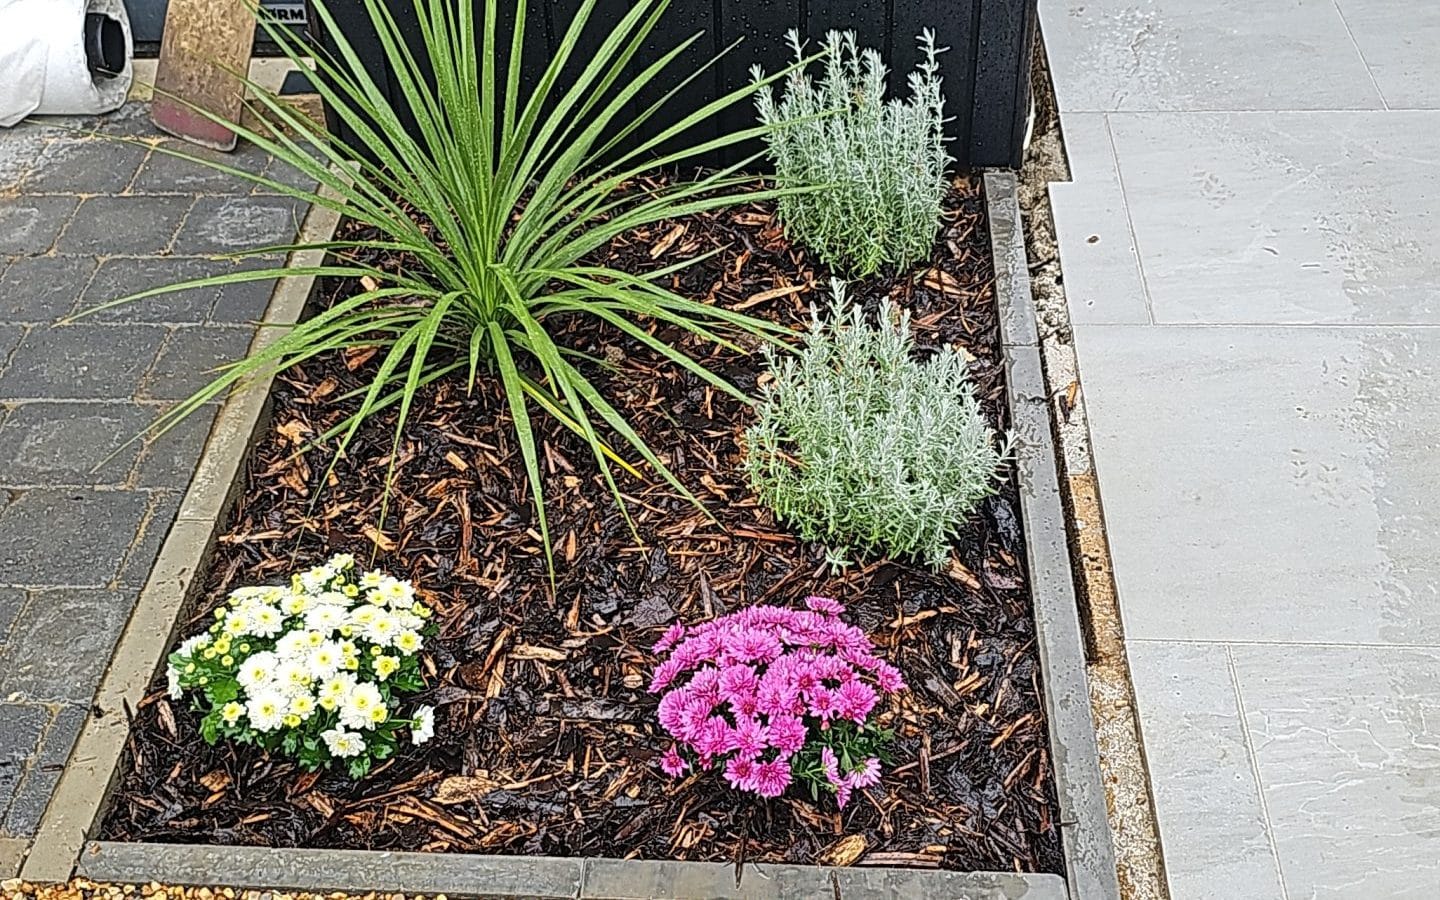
(513, 191)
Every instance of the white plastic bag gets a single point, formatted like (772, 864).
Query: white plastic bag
(42, 59)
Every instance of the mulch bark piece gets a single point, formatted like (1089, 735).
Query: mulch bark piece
(546, 740)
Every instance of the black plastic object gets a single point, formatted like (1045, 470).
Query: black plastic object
(104, 45)
(986, 66)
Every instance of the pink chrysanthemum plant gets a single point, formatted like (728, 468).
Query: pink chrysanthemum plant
(773, 696)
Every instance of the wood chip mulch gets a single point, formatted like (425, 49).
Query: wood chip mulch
(546, 738)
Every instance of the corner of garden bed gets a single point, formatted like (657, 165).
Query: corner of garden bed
(63, 847)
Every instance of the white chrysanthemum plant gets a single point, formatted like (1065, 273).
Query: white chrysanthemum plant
(317, 670)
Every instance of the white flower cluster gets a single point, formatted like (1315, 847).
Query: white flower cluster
(313, 669)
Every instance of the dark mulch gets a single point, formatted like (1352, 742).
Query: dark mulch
(546, 738)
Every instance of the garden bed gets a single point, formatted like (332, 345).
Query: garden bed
(546, 741)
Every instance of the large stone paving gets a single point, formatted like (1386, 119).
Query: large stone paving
(83, 507)
(1251, 254)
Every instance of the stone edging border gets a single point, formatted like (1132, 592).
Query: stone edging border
(61, 847)
(1085, 828)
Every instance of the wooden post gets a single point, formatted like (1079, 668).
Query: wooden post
(204, 42)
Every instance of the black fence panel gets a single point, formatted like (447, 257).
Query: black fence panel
(985, 66)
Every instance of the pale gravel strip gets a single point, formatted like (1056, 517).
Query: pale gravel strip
(1131, 808)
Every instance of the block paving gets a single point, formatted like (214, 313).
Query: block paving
(85, 497)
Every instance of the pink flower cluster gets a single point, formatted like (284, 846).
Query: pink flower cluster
(764, 683)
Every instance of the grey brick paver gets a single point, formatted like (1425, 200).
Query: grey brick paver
(44, 768)
(11, 600)
(30, 224)
(168, 460)
(159, 516)
(123, 276)
(246, 301)
(81, 362)
(68, 536)
(21, 146)
(78, 626)
(10, 338)
(41, 289)
(286, 174)
(84, 165)
(227, 224)
(190, 357)
(70, 444)
(133, 225)
(20, 729)
(167, 174)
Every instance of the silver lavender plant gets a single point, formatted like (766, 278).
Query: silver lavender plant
(882, 164)
(860, 445)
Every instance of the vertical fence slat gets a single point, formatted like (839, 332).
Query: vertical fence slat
(759, 26)
(1002, 78)
(954, 29)
(864, 17)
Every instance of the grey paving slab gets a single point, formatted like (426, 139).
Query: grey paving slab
(82, 362)
(228, 224)
(85, 623)
(123, 276)
(1397, 39)
(190, 357)
(84, 165)
(1312, 217)
(1203, 54)
(1208, 803)
(42, 289)
(1269, 484)
(1103, 281)
(159, 516)
(1348, 756)
(21, 726)
(11, 599)
(30, 224)
(132, 226)
(168, 460)
(68, 536)
(43, 769)
(19, 148)
(50, 444)
(164, 173)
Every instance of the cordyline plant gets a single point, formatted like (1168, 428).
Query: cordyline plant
(500, 195)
